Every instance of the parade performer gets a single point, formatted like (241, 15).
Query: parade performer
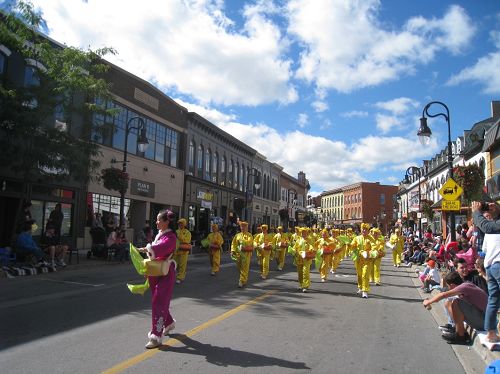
(304, 256)
(161, 249)
(280, 242)
(182, 251)
(241, 252)
(215, 242)
(257, 252)
(397, 243)
(325, 247)
(363, 256)
(379, 245)
(263, 243)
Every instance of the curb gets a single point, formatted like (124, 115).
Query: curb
(438, 314)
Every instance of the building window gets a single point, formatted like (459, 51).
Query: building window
(223, 171)
(230, 174)
(236, 175)
(241, 176)
(215, 167)
(3, 63)
(382, 199)
(200, 162)
(191, 158)
(208, 161)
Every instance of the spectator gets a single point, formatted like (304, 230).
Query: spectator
(52, 244)
(460, 266)
(56, 217)
(117, 243)
(144, 236)
(469, 305)
(97, 221)
(431, 277)
(487, 226)
(491, 246)
(428, 233)
(25, 245)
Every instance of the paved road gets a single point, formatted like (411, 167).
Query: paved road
(84, 320)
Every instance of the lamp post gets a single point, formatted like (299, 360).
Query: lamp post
(256, 182)
(424, 134)
(415, 171)
(287, 206)
(142, 144)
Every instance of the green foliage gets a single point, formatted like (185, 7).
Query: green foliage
(32, 145)
(426, 206)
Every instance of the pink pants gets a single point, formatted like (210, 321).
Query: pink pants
(161, 294)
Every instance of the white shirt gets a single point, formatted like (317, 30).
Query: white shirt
(491, 246)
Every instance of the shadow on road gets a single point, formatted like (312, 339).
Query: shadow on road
(225, 356)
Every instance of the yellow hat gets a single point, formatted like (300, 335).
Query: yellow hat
(182, 220)
(365, 226)
(243, 223)
(214, 225)
(375, 230)
(264, 226)
(279, 228)
(397, 230)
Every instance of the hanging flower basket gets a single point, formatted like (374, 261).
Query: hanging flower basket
(115, 179)
(471, 179)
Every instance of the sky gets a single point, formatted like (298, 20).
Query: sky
(333, 88)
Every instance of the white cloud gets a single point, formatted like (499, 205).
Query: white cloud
(303, 120)
(326, 124)
(484, 72)
(354, 114)
(319, 106)
(347, 48)
(189, 46)
(398, 106)
(386, 123)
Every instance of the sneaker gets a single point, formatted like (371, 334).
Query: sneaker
(53, 264)
(212, 273)
(332, 271)
(178, 281)
(42, 263)
(378, 284)
(263, 277)
(279, 269)
(169, 328)
(359, 291)
(152, 343)
(240, 285)
(304, 290)
(323, 280)
(364, 295)
(426, 290)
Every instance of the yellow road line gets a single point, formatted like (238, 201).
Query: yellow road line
(173, 341)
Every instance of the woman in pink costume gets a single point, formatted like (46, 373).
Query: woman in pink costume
(162, 287)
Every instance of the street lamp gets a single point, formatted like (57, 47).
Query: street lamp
(142, 144)
(424, 134)
(415, 171)
(287, 206)
(256, 182)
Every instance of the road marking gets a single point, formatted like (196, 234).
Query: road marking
(173, 341)
(69, 282)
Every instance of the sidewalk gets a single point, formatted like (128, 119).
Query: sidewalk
(439, 316)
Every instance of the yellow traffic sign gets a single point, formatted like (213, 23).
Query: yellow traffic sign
(450, 205)
(450, 190)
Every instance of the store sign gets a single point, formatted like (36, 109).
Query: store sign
(141, 188)
(206, 204)
(450, 205)
(205, 195)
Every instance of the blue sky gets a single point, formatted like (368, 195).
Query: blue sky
(334, 88)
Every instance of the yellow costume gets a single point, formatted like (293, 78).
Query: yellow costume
(397, 242)
(241, 252)
(182, 250)
(263, 242)
(363, 257)
(281, 243)
(325, 245)
(379, 244)
(304, 256)
(215, 240)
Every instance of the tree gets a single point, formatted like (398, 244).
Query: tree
(46, 124)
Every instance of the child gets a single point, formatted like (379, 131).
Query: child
(430, 276)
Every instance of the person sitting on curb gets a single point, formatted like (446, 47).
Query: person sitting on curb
(431, 277)
(469, 306)
(25, 245)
